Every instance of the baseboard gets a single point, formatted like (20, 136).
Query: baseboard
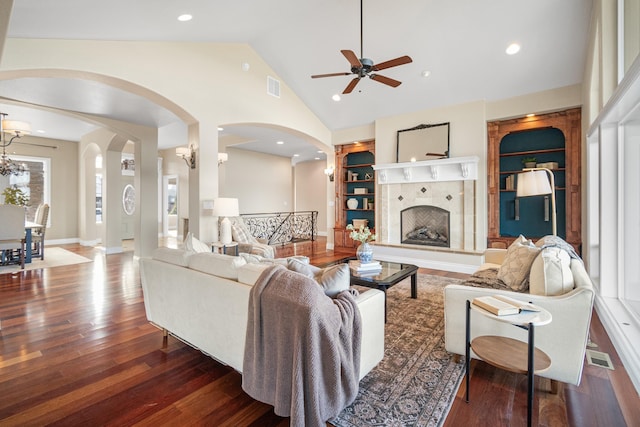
(322, 233)
(49, 242)
(113, 250)
(624, 333)
(95, 242)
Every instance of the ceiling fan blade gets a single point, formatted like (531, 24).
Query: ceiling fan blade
(352, 58)
(317, 76)
(392, 63)
(352, 84)
(385, 80)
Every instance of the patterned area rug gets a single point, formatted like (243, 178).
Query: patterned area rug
(417, 380)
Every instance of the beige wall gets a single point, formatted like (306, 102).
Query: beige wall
(63, 211)
(260, 182)
(311, 190)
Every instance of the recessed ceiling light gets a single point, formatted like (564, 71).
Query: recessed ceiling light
(220, 129)
(280, 142)
(184, 18)
(316, 158)
(426, 73)
(319, 151)
(40, 131)
(513, 49)
(336, 97)
(296, 155)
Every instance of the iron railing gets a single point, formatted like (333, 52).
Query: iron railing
(283, 227)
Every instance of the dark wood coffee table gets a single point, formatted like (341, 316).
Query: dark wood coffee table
(391, 274)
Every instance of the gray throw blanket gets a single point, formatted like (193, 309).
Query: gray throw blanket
(302, 350)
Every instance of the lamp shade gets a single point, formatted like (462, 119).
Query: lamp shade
(183, 152)
(16, 127)
(533, 183)
(224, 207)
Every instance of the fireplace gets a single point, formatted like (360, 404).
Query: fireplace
(425, 225)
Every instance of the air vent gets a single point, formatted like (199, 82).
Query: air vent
(273, 87)
(598, 358)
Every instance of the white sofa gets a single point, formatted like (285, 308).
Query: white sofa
(564, 339)
(203, 298)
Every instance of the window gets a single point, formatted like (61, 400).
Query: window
(35, 182)
(98, 198)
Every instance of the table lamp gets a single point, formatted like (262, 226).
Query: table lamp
(225, 207)
(534, 182)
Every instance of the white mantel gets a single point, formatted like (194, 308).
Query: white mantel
(451, 169)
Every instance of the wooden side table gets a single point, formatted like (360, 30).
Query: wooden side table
(224, 248)
(507, 353)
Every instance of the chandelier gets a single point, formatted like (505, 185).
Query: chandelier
(17, 129)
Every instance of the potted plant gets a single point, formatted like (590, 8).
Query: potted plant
(364, 236)
(529, 162)
(15, 196)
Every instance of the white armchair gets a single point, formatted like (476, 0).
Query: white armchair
(247, 243)
(564, 339)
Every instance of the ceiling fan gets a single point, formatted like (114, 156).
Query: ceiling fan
(365, 67)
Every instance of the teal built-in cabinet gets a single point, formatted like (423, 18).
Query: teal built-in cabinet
(550, 138)
(355, 179)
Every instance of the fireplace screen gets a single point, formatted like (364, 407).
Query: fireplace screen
(425, 225)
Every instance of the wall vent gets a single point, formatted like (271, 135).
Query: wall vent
(273, 87)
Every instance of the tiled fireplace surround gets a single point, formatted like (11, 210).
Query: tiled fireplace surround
(449, 184)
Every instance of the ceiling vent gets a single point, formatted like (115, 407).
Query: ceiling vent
(273, 87)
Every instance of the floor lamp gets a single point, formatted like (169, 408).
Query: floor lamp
(225, 207)
(534, 182)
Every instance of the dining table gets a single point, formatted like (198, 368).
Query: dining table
(28, 227)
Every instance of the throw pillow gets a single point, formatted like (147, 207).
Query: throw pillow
(172, 256)
(217, 264)
(303, 268)
(191, 244)
(515, 268)
(551, 273)
(241, 234)
(333, 280)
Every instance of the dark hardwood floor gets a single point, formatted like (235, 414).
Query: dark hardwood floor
(76, 349)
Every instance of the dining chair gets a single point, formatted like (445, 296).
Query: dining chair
(12, 235)
(37, 235)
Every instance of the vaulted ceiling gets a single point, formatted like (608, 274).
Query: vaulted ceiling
(459, 43)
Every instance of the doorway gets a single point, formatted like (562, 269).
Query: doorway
(170, 205)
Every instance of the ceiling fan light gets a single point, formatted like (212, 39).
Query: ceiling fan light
(513, 48)
(336, 97)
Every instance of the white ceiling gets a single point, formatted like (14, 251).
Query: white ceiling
(461, 42)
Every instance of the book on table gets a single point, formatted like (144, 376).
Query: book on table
(365, 267)
(501, 305)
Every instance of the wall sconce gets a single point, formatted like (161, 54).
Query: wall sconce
(188, 154)
(222, 157)
(329, 172)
